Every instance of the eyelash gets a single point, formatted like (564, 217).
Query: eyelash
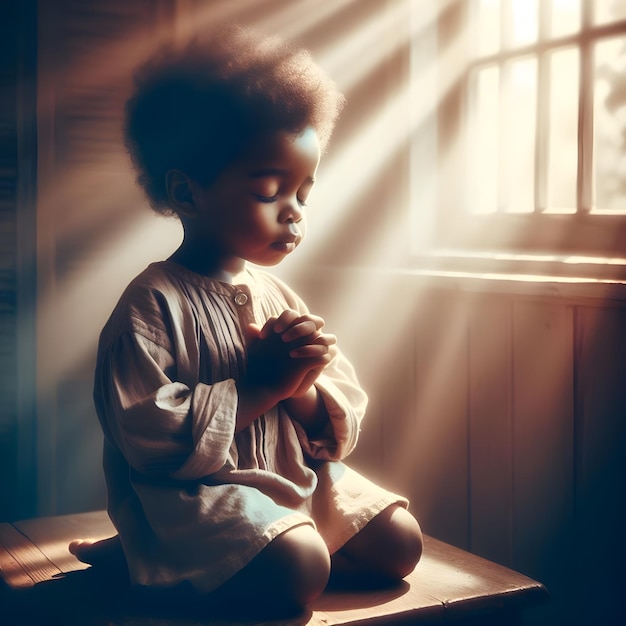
(270, 199)
(267, 199)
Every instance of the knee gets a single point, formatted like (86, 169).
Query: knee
(408, 542)
(400, 540)
(302, 565)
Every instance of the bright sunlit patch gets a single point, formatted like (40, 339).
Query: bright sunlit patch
(565, 17)
(83, 302)
(353, 164)
(297, 18)
(523, 21)
(576, 260)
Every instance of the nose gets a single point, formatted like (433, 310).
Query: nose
(292, 212)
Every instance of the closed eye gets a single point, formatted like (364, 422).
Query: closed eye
(274, 198)
(267, 199)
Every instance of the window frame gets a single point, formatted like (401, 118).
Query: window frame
(584, 232)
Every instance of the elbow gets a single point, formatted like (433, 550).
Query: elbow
(153, 461)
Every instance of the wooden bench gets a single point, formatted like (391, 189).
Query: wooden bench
(44, 583)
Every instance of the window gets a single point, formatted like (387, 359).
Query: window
(531, 126)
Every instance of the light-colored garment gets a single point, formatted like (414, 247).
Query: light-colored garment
(191, 500)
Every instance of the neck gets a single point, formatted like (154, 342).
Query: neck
(208, 262)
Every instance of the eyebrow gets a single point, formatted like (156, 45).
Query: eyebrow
(274, 171)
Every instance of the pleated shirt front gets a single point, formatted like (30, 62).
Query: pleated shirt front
(191, 500)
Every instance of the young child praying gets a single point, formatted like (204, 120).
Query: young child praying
(226, 407)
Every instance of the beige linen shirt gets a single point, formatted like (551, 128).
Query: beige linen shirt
(191, 500)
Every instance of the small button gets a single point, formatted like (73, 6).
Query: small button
(241, 298)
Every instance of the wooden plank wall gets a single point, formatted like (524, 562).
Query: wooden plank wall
(18, 165)
(500, 416)
(8, 219)
(87, 201)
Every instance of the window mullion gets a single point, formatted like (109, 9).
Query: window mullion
(543, 103)
(504, 173)
(584, 183)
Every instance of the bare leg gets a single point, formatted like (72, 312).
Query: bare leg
(284, 578)
(383, 552)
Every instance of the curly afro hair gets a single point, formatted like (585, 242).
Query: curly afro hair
(197, 106)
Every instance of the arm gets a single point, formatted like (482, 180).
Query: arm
(309, 411)
(162, 426)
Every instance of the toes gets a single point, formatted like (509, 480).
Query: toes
(79, 546)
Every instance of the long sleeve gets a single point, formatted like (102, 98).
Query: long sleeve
(345, 402)
(162, 426)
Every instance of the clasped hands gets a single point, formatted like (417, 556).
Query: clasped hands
(288, 353)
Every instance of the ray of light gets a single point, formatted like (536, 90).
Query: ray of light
(75, 203)
(82, 304)
(349, 167)
(359, 159)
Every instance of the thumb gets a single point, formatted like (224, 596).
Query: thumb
(251, 333)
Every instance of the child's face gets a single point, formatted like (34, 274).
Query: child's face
(254, 210)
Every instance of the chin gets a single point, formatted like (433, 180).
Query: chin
(268, 262)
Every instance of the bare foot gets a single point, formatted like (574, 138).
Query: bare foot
(105, 553)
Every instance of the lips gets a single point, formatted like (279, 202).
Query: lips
(287, 245)
(289, 240)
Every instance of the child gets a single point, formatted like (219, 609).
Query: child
(226, 408)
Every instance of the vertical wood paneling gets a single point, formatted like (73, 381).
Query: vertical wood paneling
(8, 219)
(18, 28)
(87, 200)
(26, 259)
(435, 447)
(516, 439)
(543, 440)
(601, 462)
(490, 430)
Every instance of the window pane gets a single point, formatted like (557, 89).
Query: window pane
(518, 136)
(523, 22)
(606, 11)
(486, 30)
(563, 131)
(610, 126)
(482, 153)
(564, 17)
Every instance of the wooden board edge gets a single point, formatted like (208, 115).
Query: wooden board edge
(23, 557)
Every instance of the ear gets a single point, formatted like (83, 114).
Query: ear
(180, 193)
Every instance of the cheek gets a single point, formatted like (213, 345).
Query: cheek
(259, 221)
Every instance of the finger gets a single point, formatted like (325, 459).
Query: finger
(325, 339)
(307, 381)
(309, 351)
(289, 318)
(317, 320)
(251, 332)
(322, 339)
(285, 320)
(268, 328)
(299, 330)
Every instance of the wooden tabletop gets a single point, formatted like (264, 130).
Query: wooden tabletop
(44, 583)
